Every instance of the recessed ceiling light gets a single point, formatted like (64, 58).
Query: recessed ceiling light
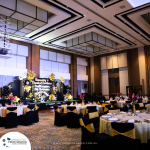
(136, 3)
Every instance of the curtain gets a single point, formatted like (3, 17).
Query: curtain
(6, 80)
(66, 82)
(79, 87)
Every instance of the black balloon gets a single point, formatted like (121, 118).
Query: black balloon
(6, 91)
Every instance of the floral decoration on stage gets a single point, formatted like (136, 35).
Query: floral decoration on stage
(52, 77)
(31, 75)
(51, 97)
(27, 88)
(133, 98)
(69, 96)
(30, 95)
(62, 79)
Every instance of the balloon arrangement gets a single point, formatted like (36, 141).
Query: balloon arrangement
(6, 91)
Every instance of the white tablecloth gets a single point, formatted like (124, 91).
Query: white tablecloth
(145, 100)
(79, 107)
(19, 111)
(142, 130)
(119, 103)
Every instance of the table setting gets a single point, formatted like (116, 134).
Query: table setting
(81, 108)
(141, 122)
(20, 110)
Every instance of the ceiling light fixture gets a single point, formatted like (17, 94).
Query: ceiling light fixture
(4, 37)
(136, 3)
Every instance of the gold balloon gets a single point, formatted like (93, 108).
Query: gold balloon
(52, 77)
(31, 75)
(62, 79)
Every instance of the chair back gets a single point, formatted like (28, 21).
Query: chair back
(113, 102)
(89, 108)
(113, 110)
(92, 113)
(88, 125)
(124, 129)
(11, 110)
(71, 109)
(81, 120)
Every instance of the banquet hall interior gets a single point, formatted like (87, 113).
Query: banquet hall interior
(75, 74)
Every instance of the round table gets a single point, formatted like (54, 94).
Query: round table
(82, 108)
(20, 110)
(119, 104)
(142, 130)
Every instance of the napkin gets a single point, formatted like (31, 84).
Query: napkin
(122, 112)
(131, 121)
(113, 119)
(106, 116)
(110, 114)
(138, 111)
(147, 119)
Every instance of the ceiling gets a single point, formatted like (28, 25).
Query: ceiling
(115, 20)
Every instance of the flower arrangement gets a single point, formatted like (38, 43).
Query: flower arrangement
(119, 94)
(140, 94)
(16, 99)
(52, 77)
(82, 96)
(51, 97)
(12, 98)
(133, 98)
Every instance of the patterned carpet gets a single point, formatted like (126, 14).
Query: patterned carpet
(45, 136)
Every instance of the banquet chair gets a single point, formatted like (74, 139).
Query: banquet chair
(28, 117)
(113, 103)
(72, 117)
(113, 110)
(93, 140)
(124, 136)
(11, 117)
(82, 131)
(106, 108)
(36, 114)
(94, 117)
(60, 118)
(90, 107)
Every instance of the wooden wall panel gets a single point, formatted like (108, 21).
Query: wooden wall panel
(134, 77)
(74, 89)
(147, 62)
(35, 61)
(97, 78)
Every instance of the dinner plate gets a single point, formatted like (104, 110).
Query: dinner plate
(110, 114)
(106, 116)
(113, 119)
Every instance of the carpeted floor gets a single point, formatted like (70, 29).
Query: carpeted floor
(45, 136)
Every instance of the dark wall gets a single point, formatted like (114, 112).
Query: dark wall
(133, 67)
(16, 88)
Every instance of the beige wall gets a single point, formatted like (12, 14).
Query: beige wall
(92, 74)
(142, 69)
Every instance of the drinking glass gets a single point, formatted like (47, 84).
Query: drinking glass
(118, 112)
(6, 104)
(128, 105)
(112, 114)
(143, 110)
